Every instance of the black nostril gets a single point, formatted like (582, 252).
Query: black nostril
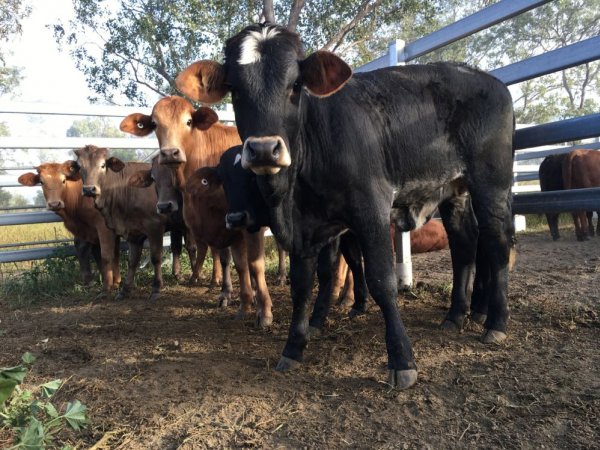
(251, 152)
(176, 153)
(276, 150)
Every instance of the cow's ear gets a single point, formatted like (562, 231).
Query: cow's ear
(29, 179)
(137, 124)
(204, 118)
(72, 170)
(323, 73)
(115, 164)
(203, 81)
(140, 179)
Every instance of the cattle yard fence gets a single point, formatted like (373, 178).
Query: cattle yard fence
(532, 142)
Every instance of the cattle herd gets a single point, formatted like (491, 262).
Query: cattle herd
(331, 163)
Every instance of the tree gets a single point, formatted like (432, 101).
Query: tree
(145, 44)
(93, 127)
(101, 127)
(12, 12)
(555, 25)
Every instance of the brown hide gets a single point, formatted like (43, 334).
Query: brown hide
(581, 169)
(62, 192)
(429, 238)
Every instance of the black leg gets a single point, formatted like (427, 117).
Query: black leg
(461, 226)
(325, 269)
(302, 272)
(350, 248)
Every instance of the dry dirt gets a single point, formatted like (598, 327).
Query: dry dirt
(182, 374)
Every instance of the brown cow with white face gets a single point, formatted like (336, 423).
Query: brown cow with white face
(188, 139)
(61, 185)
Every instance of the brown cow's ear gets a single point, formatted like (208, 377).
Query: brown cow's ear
(203, 81)
(204, 118)
(140, 179)
(29, 179)
(137, 124)
(323, 73)
(115, 164)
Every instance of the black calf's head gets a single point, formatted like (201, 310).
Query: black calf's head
(267, 74)
(246, 207)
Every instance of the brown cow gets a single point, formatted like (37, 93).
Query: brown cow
(428, 238)
(130, 213)
(581, 169)
(187, 137)
(61, 185)
(207, 207)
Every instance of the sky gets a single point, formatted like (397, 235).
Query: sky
(49, 76)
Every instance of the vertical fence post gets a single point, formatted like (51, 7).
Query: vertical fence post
(403, 256)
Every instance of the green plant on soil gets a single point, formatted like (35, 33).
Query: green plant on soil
(29, 414)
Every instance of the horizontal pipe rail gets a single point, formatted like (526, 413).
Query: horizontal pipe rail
(32, 243)
(29, 218)
(556, 132)
(535, 154)
(552, 61)
(77, 142)
(485, 18)
(557, 201)
(85, 110)
(19, 208)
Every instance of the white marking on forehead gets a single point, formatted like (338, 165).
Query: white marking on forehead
(249, 52)
(238, 158)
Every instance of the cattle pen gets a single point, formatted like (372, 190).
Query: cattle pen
(181, 374)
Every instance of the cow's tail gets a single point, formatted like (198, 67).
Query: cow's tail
(510, 234)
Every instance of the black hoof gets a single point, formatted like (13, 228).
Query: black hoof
(402, 379)
(286, 364)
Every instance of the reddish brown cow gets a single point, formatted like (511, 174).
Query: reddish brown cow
(207, 207)
(130, 213)
(581, 169)
(61, 185)
(188, 139)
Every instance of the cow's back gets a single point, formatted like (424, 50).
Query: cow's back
(413, 122)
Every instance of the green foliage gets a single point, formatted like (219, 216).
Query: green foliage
(51, 279)
(147, 43)
(29, 414)
(12, 13)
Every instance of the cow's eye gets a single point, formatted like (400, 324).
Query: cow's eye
(42, 182)
(153, 124)
(103, 165)
(189, 123)
(297, 87)
(204, 182)
(64, 180)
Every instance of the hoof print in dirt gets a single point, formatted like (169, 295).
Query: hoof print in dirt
(286, 364)
(493, 337)
(402, 379)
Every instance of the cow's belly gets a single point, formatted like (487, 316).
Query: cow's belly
(416, 201)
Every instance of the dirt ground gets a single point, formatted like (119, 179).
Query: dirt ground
(182, 374)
